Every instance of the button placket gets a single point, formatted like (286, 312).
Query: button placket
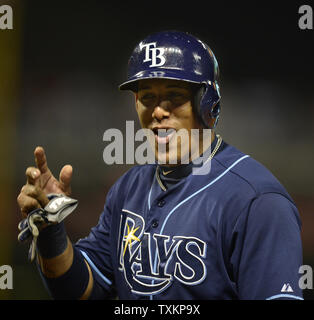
(161, 203)
(155, 223)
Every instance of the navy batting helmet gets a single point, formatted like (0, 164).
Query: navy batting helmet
(180, 56)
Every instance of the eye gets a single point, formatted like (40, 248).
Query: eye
(148, 99)
(147, 96)
(178, 97)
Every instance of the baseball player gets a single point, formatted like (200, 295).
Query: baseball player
(165, 232)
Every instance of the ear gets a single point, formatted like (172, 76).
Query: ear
(212, 123)
(209, 105)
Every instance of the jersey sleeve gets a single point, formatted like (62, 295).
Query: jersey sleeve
(95, 249)
(269, 255)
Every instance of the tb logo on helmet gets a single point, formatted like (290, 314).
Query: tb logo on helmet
(152, 53)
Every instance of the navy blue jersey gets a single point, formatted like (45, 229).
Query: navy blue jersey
(233, 233)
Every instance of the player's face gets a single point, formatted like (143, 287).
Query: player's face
(165, 107)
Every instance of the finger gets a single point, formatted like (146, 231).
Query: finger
(37, 193)
(32, 174)
(65, 177)
(27, 204)
(41, 159)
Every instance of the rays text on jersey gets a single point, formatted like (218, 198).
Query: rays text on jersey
(151, 263)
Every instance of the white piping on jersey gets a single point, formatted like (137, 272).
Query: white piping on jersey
(188, 198)
(149, 195)
(92, 265)
(284, 296)
(200, 190)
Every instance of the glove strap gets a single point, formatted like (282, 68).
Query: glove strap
(57, 209)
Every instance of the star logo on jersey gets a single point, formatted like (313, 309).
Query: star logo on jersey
(130, 237)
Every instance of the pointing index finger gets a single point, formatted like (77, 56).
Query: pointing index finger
(41, 160)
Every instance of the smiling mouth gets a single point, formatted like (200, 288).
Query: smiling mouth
(163, 135)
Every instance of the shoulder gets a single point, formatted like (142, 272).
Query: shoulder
(247, 174)
(272, 209)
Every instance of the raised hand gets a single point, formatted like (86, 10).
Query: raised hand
(40, 182)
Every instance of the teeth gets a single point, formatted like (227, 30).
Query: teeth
(163, 136)
(164, 132)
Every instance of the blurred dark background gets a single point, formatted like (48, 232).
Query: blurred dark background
(60, 68)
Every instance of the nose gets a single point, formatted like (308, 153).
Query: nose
(161, 111)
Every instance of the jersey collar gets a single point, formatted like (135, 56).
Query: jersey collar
(169, 176)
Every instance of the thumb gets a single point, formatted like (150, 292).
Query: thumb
(65, 178)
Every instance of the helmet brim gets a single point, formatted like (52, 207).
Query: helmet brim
(132, 83)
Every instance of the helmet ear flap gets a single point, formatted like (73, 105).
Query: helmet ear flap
(207, 102)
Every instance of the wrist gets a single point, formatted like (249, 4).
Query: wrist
(52, 241)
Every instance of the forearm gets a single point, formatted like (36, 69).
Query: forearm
(57, 266)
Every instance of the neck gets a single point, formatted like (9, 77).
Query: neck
(167, 176)
(205, 139)
(196, 150)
